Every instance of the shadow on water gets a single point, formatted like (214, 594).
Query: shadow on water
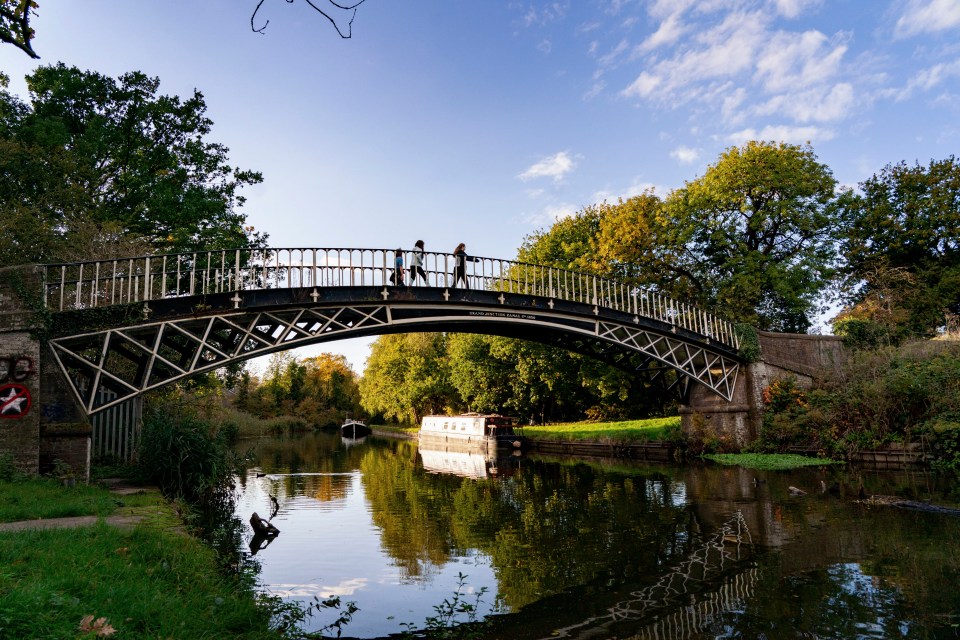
(555, 548)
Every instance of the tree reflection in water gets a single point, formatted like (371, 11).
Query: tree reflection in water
(578, 548)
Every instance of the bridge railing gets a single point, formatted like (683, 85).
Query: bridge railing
(84, 285)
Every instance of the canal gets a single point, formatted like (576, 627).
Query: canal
(564, 548)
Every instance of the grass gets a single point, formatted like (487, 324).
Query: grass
(768, 461)
(250, 426)
(392, 428)
(651, 429)
(147, 582)
(46, 498)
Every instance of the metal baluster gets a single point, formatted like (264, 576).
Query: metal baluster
(95, 287)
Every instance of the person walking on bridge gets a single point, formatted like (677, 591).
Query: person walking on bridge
(460, 258)
(397, 276)
(416, 263)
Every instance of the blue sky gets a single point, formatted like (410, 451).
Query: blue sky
(484, 120)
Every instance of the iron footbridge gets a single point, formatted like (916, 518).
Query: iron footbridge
(130, 325)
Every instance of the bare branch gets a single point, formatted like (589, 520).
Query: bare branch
(345, 33)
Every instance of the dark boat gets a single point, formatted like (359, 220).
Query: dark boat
(354, 429)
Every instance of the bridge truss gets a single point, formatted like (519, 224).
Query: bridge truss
(194, 320)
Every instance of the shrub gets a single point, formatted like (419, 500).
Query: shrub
(186, 455)
(944, 438)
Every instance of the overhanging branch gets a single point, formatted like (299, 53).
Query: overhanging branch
(15, 25)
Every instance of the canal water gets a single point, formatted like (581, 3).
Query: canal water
(566, 548)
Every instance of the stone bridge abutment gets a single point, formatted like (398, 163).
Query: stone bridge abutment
(802, 357)
(40, 421)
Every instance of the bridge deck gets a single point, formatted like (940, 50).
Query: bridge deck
(101, 283)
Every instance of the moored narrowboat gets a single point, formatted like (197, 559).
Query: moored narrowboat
(354, 429)
(471, 431)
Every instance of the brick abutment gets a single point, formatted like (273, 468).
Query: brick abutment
(42, 427)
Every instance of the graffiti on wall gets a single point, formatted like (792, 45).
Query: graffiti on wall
(16, 369)
(15, 397)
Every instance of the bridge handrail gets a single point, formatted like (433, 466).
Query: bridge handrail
(83, 285)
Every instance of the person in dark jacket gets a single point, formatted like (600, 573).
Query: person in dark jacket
(460, 259)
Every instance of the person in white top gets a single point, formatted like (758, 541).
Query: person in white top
(416, 263)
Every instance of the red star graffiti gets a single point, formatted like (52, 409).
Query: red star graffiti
(14, 401)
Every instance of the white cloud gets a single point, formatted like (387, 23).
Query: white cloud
(927, 16)
(345, 588)
(821, 104)
(668, 32)
(636, 188)
(550, 214)
(927, 79)
(643, 86)
(555, 166)
(723, 51)
(550, 12)
(610, 58)
(685, 155)
(793, 8)
(782, 133)
(730, 110)
(792, 60)
(595, 90)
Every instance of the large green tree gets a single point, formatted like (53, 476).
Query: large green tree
(88, 149)
(902, 246)
(406, 377)
(757, 233)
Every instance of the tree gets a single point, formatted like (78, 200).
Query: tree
(406, 377)
(15, 26)
(905, 219)
(639, 243)
(757, 233)
(114, 153)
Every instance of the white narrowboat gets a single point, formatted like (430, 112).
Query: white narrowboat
(470, 431)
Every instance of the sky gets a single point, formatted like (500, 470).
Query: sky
(483, 121)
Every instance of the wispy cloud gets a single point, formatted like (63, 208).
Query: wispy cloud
(550, 214)
(928, 79)
(723, 51)
(927, 16)
(793, 8)
(556, 166)
(668, 32)
(685, 155)
(782, 133)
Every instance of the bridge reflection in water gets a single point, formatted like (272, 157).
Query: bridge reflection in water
(716, 578)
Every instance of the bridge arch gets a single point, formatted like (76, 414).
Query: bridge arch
(129, 326)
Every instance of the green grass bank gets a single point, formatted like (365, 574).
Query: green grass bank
(148, 581)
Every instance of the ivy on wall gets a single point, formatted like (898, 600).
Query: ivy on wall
(749, 342)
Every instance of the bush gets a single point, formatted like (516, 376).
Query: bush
(944, 438)
(8, 469)
(884, 395)
(186, 455)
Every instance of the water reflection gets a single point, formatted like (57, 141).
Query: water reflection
(568, 549)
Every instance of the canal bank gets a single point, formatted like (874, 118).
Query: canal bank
(121, 563)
